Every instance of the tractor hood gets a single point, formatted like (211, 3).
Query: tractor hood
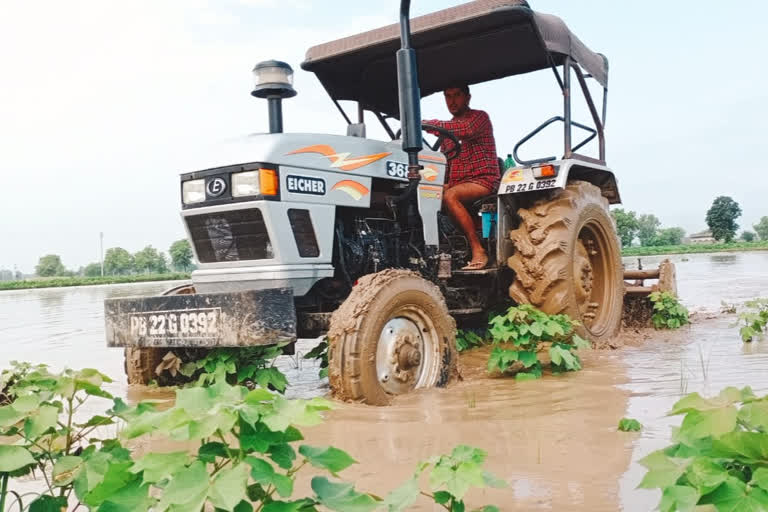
(335, 153)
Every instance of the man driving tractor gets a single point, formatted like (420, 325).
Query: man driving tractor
(475, 173)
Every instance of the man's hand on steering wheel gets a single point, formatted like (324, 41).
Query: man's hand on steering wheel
(443, 134)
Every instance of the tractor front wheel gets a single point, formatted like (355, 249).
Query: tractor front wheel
(568, 260)
(393, 334)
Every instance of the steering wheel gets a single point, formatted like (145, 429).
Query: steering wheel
(451, 154)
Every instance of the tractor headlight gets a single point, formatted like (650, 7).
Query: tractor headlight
(245, 184)
(193, 191)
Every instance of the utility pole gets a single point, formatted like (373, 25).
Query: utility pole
(101, 251)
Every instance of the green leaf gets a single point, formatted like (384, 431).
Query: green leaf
(263, 472)
(465, 453)
(13, 458)
(209, 451)
(457, 506)
(536, 329)
(629, 425)
(746, 447)
(457, 480)
(580, 343)
(330, 458)
(705, 475)
(116, 477)
(185, 487)
(10, 416)
(528, 358)
(760, 478)
(402, 497)
(43, 420)
(97, 421)
(159, 466)
(271, 378)
(712, 423)
(678, 498)
(663, 471)
(442, 497)
(66, 470)
(285, 413)
(755, 415)
(734, 496)
(488, 508)
(342, 497)
(134, 497)
(228, 488)
(283, 455)
(48, 504)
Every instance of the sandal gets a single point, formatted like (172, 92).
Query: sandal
(476, 265)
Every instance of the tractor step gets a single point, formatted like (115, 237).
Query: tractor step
(481, 272)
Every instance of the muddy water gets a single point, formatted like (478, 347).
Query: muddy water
(554, 440)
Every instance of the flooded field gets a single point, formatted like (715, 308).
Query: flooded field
(553, 440)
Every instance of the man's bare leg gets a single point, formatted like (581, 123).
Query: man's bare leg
(454, 200)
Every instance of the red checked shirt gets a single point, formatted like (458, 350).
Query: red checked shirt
(478, 162)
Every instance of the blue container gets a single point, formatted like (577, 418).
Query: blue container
(489, 221)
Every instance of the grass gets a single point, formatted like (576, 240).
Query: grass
(59, 282)
(695, 249)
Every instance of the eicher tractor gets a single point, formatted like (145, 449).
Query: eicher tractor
(302, 235)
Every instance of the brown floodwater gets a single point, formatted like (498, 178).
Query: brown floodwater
(554, 440)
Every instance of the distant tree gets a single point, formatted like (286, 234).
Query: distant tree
(50, 265)
(6, 275)
(762, 228)
(181, 255)
(92, 270)
(118, 261)
(670, 236)
(648, 227)
(721, 218)
(19, 276)
(150, 261)
(748, 236)
(626, 225)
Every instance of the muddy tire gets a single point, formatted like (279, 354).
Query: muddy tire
(141, 362)
(393, 334)
(568, 260)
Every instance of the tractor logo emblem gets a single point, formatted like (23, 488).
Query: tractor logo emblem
(355, 190)
(430, 173)
(343, 161)
(513, 175)
(216, 187)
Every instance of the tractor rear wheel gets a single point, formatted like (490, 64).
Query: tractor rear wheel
(568, 260)
(393, 334)
(141, 362)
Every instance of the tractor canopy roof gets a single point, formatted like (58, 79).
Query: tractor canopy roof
(471, 43)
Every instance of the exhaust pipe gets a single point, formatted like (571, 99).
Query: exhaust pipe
(409, 94)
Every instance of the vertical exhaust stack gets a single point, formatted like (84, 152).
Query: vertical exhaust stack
(274, 82)
(409, 93)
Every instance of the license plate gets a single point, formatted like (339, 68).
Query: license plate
(182, 324)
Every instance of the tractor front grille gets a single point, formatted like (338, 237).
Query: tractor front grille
(230, 236)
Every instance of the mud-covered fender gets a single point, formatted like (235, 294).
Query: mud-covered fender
(523, 180)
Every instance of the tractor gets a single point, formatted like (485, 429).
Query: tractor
(304, 235)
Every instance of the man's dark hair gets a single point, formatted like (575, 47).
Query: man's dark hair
(462, 87)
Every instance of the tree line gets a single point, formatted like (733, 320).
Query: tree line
(118, 262)
(645, 228)
(720, 218)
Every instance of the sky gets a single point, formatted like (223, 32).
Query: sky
(104, 103)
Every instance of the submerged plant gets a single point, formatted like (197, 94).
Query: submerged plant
(517, 335)
(719, 457)
(668, 313)
(247, 455)
(320, 352)
(755, 320)
(629, 425)
(466, 340)
(247, 365)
